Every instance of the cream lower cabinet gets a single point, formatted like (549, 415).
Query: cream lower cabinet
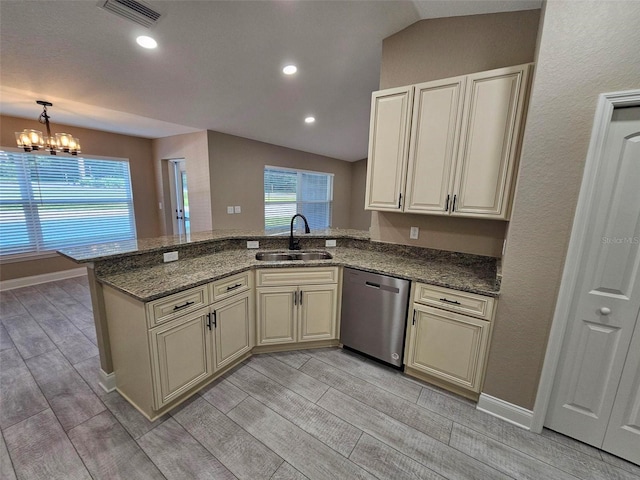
(449, 347)
(304, 312)
(166, 349)
(181, 355)
(233, 327)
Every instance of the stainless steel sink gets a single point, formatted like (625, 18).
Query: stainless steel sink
(286, 256)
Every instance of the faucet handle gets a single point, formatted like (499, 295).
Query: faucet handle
(295, 244)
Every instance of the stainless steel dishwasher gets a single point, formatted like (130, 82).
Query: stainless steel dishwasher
(374, 314)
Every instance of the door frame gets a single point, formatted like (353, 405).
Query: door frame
(607, 102)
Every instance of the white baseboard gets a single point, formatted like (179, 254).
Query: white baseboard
(521, 417)
(44, 278)
(107, 381)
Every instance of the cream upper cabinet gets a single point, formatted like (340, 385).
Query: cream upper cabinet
(463, 142)
(388, 145)
(435, 133)
(304, 312)
(494, 105)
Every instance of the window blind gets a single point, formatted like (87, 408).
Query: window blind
(288, 191)
(50, 202)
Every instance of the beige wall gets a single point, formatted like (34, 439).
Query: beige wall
(480, 237)
(94, 142)
(586, 48)
(237, 178)
(446, 47)
(441, 48)
(193, 147)
(359, 218)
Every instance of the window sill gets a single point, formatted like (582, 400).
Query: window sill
(24, 257)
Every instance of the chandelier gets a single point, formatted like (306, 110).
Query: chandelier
(34, 140)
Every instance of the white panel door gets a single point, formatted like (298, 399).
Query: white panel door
(623, 433)
(388, 143)
(607, 296)
(435, 132)
(494, 104)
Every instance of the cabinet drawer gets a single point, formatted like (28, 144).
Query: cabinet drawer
(226, 287)
(167, 308)
(270, 277)
(456, 301)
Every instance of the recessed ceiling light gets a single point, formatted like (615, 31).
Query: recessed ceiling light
(146, 42)
(289, 69)
(309, 119)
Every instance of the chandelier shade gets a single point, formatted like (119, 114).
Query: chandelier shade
(30, 139)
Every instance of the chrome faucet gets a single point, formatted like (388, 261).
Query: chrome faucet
(294, 244)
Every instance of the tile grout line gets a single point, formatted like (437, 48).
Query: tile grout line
(241, 428)
(297, 426)
(512, 448)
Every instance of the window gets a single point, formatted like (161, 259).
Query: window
(287, 192)
(50, 202)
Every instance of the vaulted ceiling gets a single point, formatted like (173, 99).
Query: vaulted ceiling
(217, 67)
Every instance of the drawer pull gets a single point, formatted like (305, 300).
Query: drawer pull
(185, 304)
(450, 301)
(233, 287)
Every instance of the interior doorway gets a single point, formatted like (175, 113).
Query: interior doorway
(179, 196)
(590, 385)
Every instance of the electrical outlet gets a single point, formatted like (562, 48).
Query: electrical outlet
(329, 243)
(413, 234)
(230, 210)
(237, 209)
(253, 244)
(171, 256)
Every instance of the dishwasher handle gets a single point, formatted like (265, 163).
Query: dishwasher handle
(371, 284)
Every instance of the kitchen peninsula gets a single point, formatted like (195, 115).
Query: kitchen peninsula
(216, 298)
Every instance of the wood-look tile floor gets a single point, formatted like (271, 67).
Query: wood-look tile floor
(317, 414)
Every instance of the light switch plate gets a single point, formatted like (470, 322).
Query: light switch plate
(413, 234)
(329, 243)
(237, 209)
(253, 244)
(230, 210)
(171, 256)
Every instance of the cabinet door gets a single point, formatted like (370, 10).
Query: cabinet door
(493, 109)
(233, 328)
(181, 356)
(388, 143)
(435, 133)
(277, 322)
(449, 346)
(318, 306)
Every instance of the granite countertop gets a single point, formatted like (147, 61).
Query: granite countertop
(149, 283)
(113, 250)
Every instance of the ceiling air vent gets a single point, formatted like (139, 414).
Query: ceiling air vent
(133, 10)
